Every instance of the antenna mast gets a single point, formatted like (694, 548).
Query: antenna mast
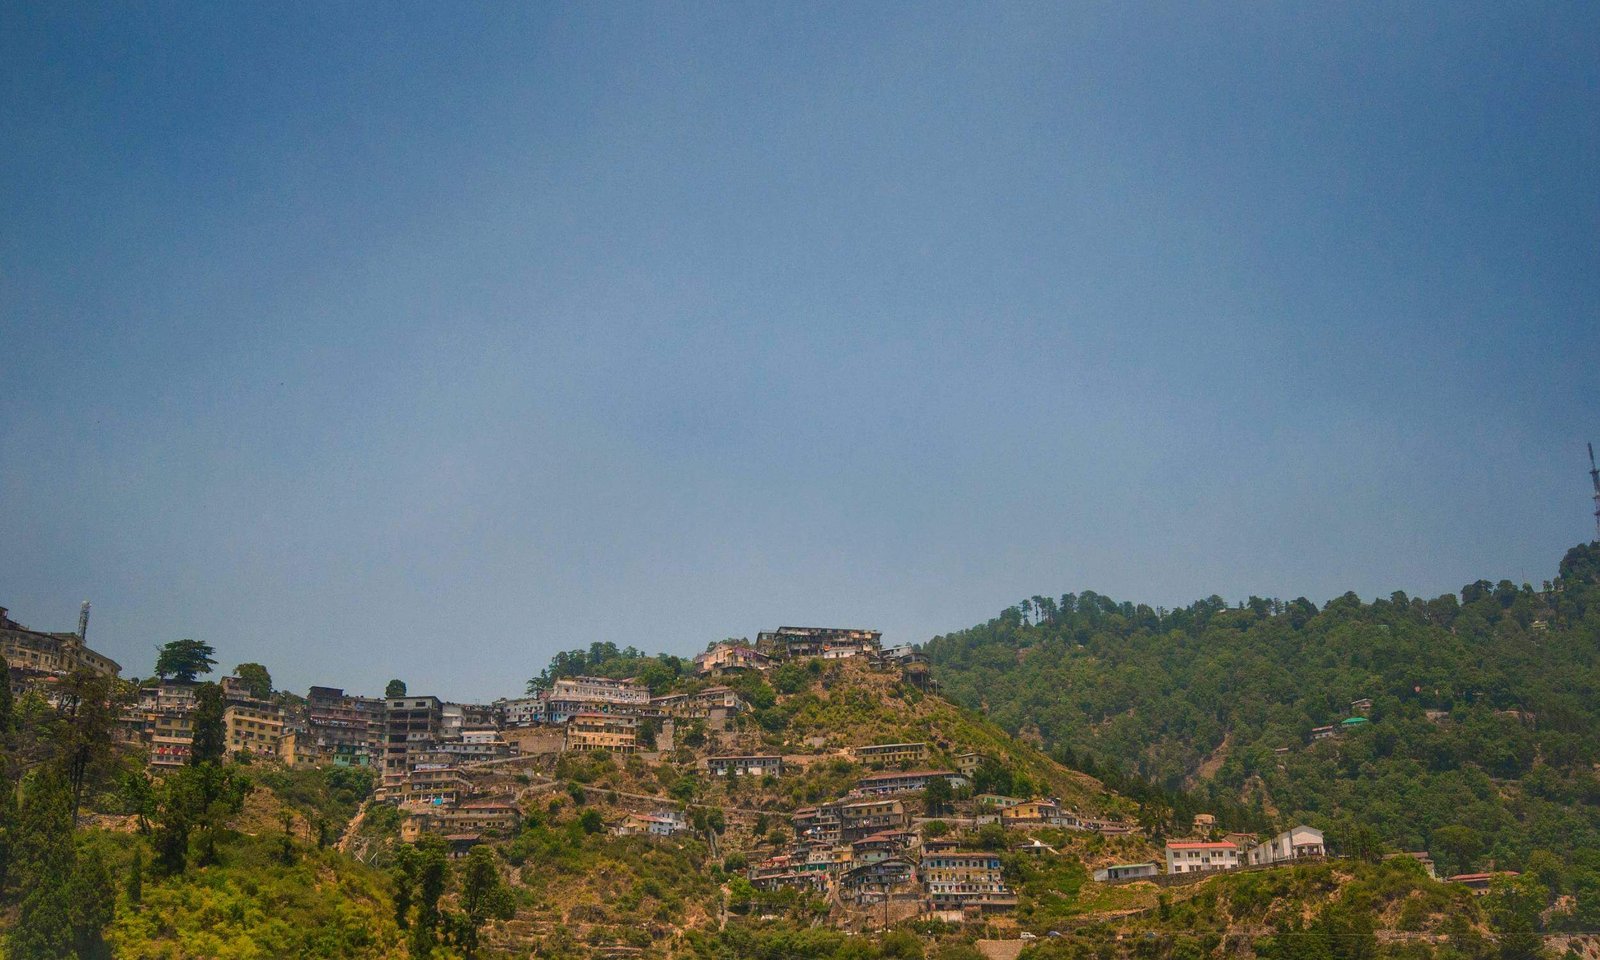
(83, 621)
(1594, 477)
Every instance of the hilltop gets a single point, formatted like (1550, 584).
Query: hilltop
(810, 799)
(1465, 725)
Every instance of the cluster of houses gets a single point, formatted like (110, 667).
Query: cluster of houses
(866, 847)
(863, 847)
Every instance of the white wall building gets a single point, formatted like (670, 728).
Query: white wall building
(1201, 857)
(1292, 844)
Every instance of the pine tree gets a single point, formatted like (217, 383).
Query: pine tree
(210, 733)
(43, 859)
(93, 897)
(135, 883)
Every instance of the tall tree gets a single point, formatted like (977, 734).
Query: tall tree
(484, 897)
(7, 708)
(396, 688)
(256, 679)
(210, 731)
(43, 861)
(94, 898)
(89, 714)
(185, 660)
(432, 875)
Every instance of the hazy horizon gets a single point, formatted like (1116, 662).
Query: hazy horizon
(427, 341)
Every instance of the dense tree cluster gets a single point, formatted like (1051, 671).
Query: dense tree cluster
(1479, 744)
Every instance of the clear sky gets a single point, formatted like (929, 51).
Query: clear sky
(369, 340)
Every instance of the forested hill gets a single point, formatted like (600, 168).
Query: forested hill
(1482, 737)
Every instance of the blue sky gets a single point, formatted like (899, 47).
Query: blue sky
(425, 341)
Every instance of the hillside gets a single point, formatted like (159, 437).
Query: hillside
(248, 858)
(1479, 744)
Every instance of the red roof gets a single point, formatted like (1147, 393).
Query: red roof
(1202, 846)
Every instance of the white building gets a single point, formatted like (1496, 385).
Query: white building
(600, 690)
(1126, 871)
(1292, 844)
(1187, 857)
(522, 712)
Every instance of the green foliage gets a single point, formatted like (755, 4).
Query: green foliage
(484, 897)
(210, 731)
(394, 688)
(256, 679)
(184, 660)
(659, 673)
(250, 906)
(1152, 700)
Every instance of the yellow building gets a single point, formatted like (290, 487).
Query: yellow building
(254, 727)
(602, 731)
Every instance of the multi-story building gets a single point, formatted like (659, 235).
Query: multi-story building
(32, 653)
(827, 643)
(968, 763)
(477, 816)
(955, 880)
(862, 818)
(873, 880)
(253, 726)
(1195, 857)
(817, 824)
(882, 845)
(569, 696)
(753, 766)
(726, 658)
(1032, 813)
(1293, 844)
(167, 712)
(906, 781)
(521, 712)
(340, 729)
(432, 784)
(600, 690)
(411, 729)
(892, 753)
(602, 731)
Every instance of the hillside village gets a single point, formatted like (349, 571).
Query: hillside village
(871, 829)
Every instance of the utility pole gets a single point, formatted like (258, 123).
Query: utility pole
(83, 621)
(1594, 478)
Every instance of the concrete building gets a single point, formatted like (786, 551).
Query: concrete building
(433, 785)
(756, 766)
(954, 880)
(1296, 843)
(254, 727)
(827, 643)
(968, 763)
(599, 690)
(906, 781)
(521, 712)
(1126, 871)
(662, 823)
(726, 658)
(412, 728)
(889, 754)
(863, 818)
(1197, 857)
(601, 731)
(166, 713)
(340, 730)
(1032, 813)
(32, 653)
